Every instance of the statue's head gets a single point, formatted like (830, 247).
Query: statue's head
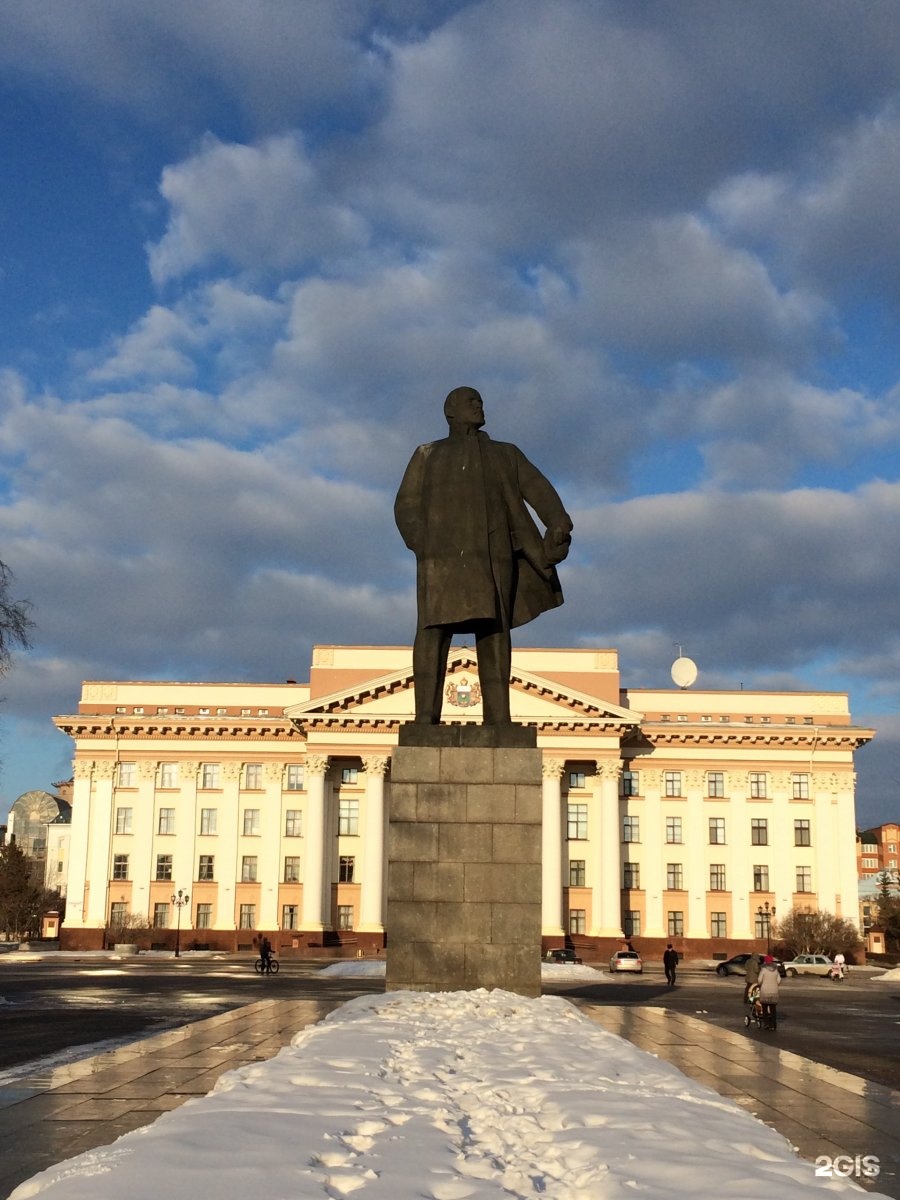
(464, 405)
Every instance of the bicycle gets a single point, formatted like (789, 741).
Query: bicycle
(260, 967)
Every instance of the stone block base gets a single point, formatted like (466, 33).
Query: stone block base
(464, 869)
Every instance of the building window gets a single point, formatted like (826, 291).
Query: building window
(123, 820)
(292, 822)
(248, 917)
(718, 925)
(800, 787)
(717, 831)
(676, 924)
(160, 915)
(760, 878)
(345, 916)
(120, 866)
(576, 780)
(204, 916)
(348, 818)
(804, 879)
(251, 822)
(164, 866)
(673, 830)
(292, 868)
(207, 867)
(715, 784)
(631, 923)
(166, 823)
(168, 775)
(577, 920)
(117, 914)
(631, 875)
(576, 822)
(758, 785)
(717, 877)
(295, 775)
(762, 926)
(209, 775)
(127, 776)
(674, 877)
(290, 915)
(631, 829)
(672, 783)
(248, 868)
(870, 863)
(346, 867)
(577, 872)
(349, 774)
(631, 783)
(759, 831)
(208, 820)
(802, 833)
(253, 777)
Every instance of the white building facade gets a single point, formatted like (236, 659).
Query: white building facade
(669, 814)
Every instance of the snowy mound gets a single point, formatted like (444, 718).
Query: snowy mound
(451, 1096)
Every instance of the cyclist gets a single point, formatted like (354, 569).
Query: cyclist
(265, 953)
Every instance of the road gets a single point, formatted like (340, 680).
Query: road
(53, 1005)
(852, 1025)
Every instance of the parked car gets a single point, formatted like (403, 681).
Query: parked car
(626, 960)
(737, 965)
(562, 954)
(809, 964)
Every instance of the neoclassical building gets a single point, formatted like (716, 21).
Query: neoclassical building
(676, 814)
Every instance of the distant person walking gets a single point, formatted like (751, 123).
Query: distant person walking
(670, 962)
(768, 992)
(752, 968)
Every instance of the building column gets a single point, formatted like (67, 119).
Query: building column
(552, 848)
(77, 880)
(314, 847)
(607, 912)
(99, 864)
(371, 892)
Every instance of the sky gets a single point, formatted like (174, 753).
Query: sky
(246, 249)
(449, 1096)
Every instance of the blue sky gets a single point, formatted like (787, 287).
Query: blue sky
(246, 249)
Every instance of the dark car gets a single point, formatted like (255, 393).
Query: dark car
(563, 954)
(737, 965)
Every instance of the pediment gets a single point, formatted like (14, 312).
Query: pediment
(389, 698)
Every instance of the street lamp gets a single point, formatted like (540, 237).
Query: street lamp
(180, 900)
(767, 916)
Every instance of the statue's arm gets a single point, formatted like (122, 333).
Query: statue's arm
(540, 494)
(408, 504)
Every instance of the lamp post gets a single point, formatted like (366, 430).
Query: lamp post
(179, 899)
(767, 915)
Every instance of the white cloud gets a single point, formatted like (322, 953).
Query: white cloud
(254, 207)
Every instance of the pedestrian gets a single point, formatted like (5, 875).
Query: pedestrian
(839, 962)
(752, 969)
(670, 962)
(768, 991)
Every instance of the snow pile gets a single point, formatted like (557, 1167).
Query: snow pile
(376, 968)
(450, 1096)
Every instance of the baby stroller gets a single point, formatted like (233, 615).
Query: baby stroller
(755, 1015)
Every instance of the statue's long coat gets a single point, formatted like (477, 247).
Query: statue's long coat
(461, 509)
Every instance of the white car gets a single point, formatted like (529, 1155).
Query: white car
(626, 960)
(809, 964)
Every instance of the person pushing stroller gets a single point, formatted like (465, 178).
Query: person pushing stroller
(768, 992)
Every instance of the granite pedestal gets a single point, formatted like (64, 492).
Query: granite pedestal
(464, 861)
